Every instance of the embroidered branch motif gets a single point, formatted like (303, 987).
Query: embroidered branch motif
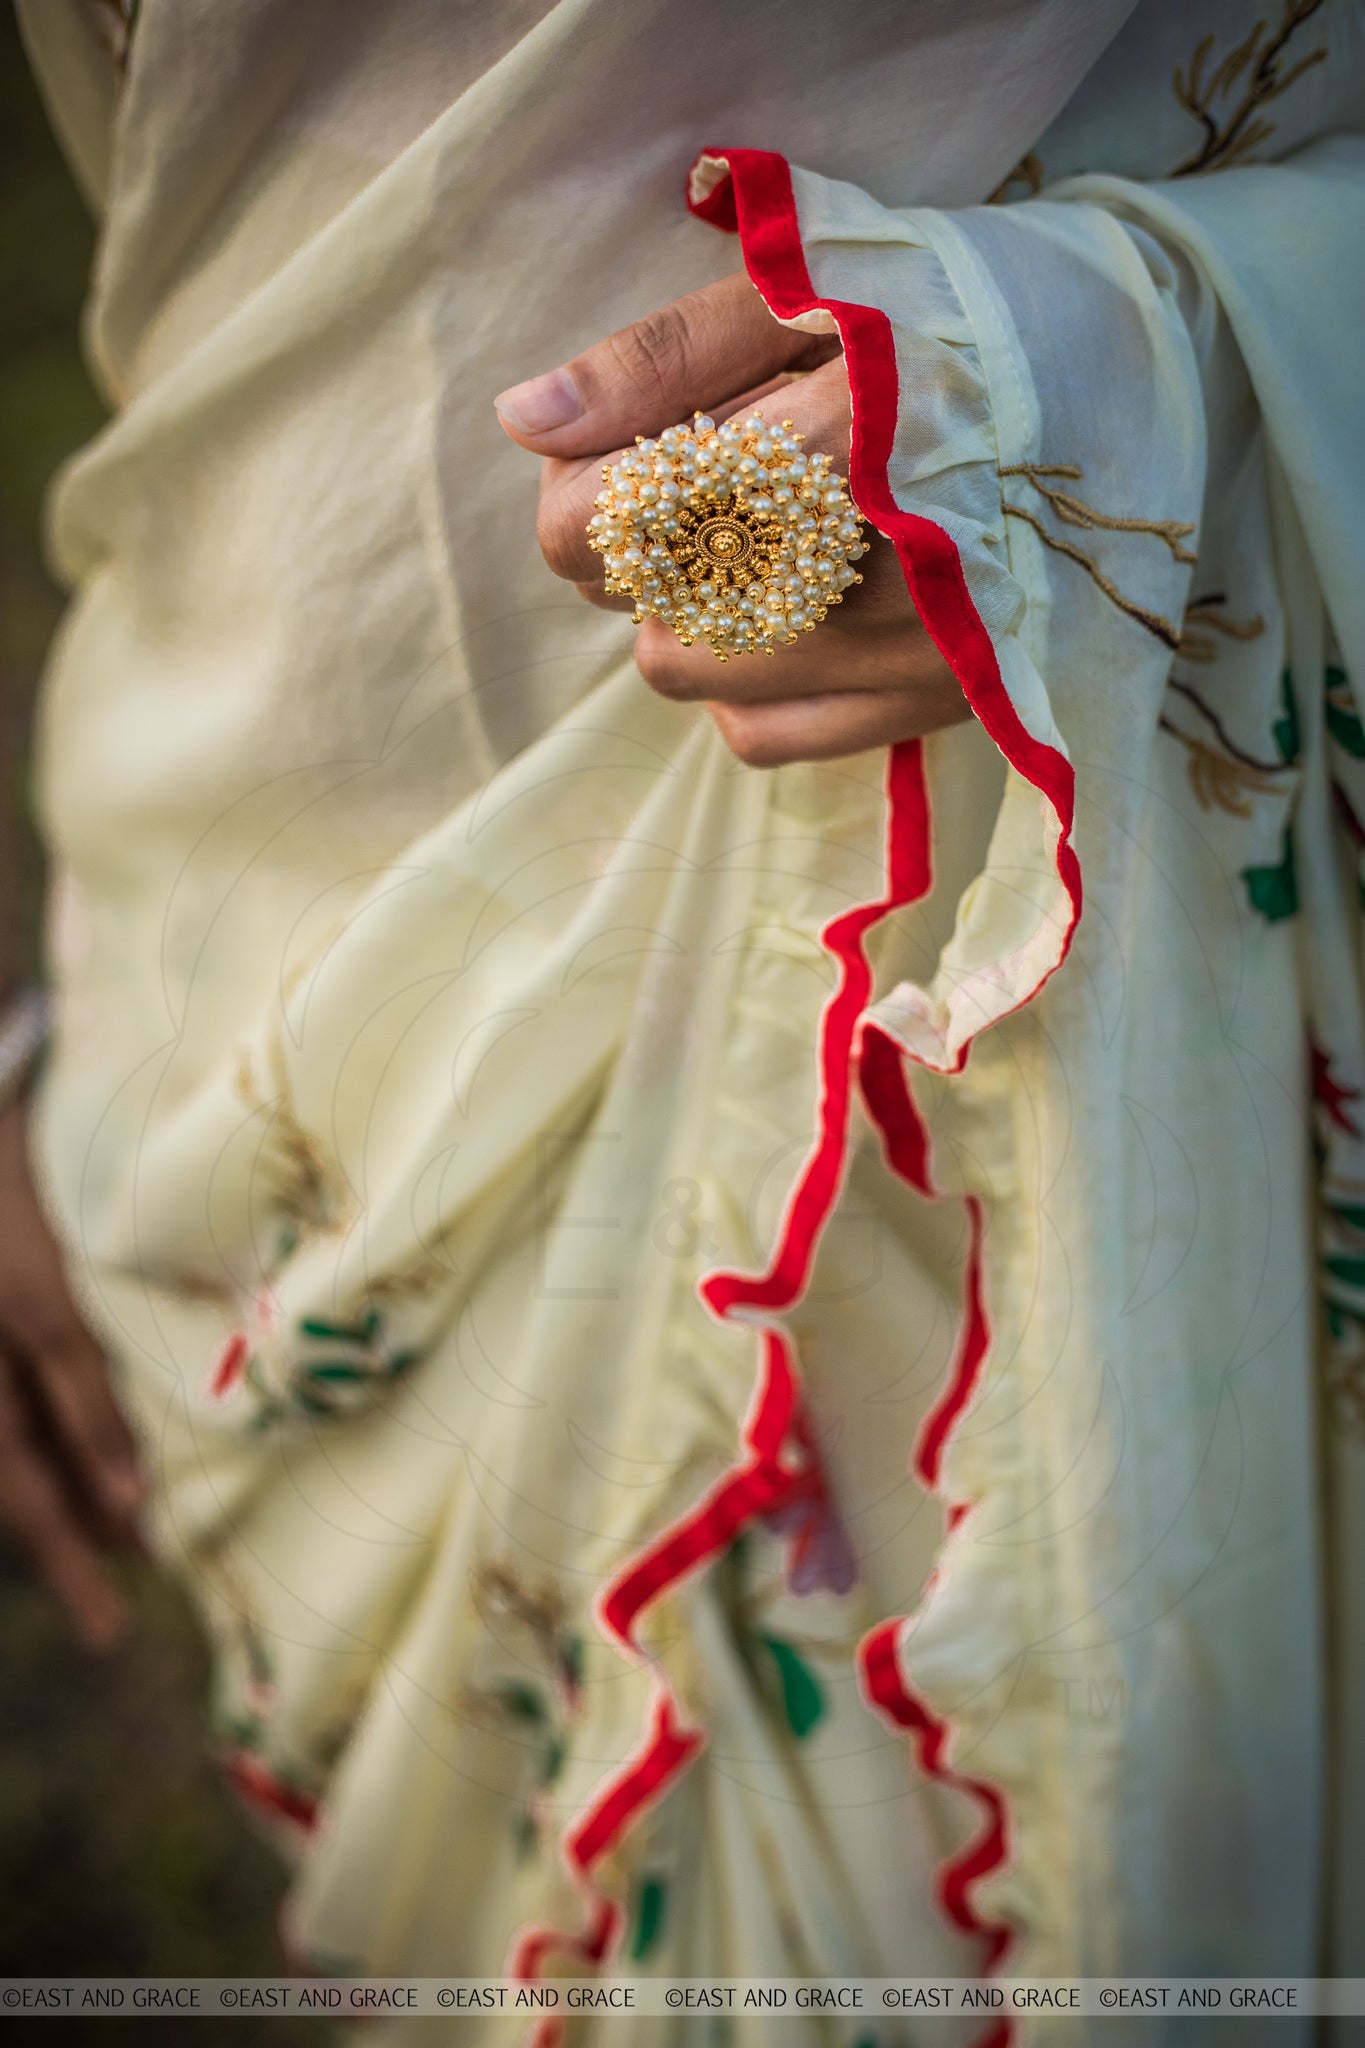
(499, 1593)
(1206, 711)
(1027, 172)
(1218, 780)
(1074, 511)
(1204, 618)
(1235, 128)
(289, 1154)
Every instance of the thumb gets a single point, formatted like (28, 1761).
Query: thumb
(690, 356)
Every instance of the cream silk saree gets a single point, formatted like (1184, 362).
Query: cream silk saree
(754, 1372)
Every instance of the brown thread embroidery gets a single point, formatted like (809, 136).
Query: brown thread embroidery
(1074, 511)
(1217, 780)
(1196, 645)
(288, 1150)
(1028, 171)
(499, 1592)
(1241, 128)
(1229, 745)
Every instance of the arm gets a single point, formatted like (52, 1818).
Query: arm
(70, 1485)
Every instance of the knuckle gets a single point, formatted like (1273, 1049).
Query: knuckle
(666, 675)
(652, 356)
(748, 736)
(559, 544)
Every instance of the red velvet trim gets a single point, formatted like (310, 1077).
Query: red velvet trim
(587, 1949)
(906, 1145)
(888, 1690)
(757, 200)
(668, 1748)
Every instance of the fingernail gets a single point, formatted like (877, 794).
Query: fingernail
(541, 403)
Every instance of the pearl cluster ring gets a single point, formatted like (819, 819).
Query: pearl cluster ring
(728, 534)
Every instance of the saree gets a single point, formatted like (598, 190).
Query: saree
(754, 1373)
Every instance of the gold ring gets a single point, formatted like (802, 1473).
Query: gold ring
(728, 534)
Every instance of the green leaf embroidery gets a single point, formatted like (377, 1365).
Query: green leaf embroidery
(1350, 1213)
(522, 1701)
(1346, 730)
(1274, 892)
(345, 1333)
(803, 1700)
(526, 1833)
(1352, 1271)
(571, 1659)
(1286, 727)
(650, 1913)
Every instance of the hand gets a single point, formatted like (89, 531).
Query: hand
(70, 1486)
(869, 675)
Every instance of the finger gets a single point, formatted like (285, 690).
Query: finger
(841, 656)
(581, 482)
(819, 728)
(72, 1376)
(73, 1381)
(818, 402)
(605, 600)
(698, 352)
(37, 1510)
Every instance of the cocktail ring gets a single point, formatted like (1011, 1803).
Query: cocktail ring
(728, 534)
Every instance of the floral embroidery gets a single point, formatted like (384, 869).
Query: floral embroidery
(1331, 1096)
(651, 1907)
(1074, 511)
(1226, 781)
(333, 1370)
(1274, 888)
(1230, 779)
(539, 1716)
(1203, 619)
(803, 1696)
(500, 1593)
(290, 1157)
(780, 1666)
(520, 1705)
(286, 1791)
(1237, 127)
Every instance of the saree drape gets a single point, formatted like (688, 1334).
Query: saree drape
(755, 1372)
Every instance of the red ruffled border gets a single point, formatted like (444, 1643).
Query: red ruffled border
(756, 200)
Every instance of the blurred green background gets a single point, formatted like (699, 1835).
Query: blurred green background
(120, 1850)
